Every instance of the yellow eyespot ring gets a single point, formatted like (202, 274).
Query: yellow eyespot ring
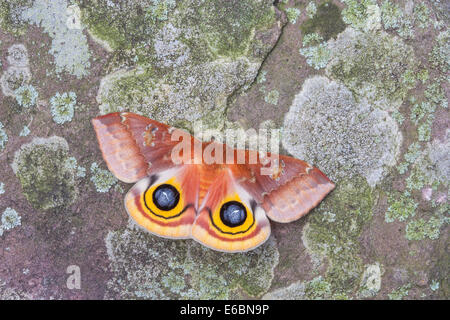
(160, 210)
(219, 222)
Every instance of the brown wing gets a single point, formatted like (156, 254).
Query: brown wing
(290, 192)
(133, 146)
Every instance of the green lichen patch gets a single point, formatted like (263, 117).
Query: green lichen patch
(272, 97)
(420, 229)
(338, 240)
(188, 64)
(400, 292)
(103, 179)
(327, 127)
(327, 21)
(373, 65)
(46, 179)
(371, 280)
(428, 166)
(149, 267)
(440, 54)
(362, 14)
(10, 15)
(400, 208)
(62, 106)
(292, 14)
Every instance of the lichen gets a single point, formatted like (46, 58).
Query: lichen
(2, 188)
(400, 208)
(18, 55)
(292, 14)
(25, 131)
(362, 14)
(62, 106)
(102, 179)
(149, 267)
(69, 44)
(14, 78)
(371, 281)
(10, 219)
(373, 65)
(316, 53)
(72, 164)
(3, 137)
(311, 9)
(440, 54)
(427, 166)
(26, 96)
(327, 127)
(420, 229)
(337, 241)
(399, 293)
(47, 182)
(392, 15)
(272, 97)
(422, 15)
(184, 67)
(327, 21)
(434, 285)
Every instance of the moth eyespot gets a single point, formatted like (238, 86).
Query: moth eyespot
(166, 197)
(164, 200)
(233, 214)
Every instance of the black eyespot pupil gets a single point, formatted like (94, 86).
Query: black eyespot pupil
(166, 197)
(233, 214)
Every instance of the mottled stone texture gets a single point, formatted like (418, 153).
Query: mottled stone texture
(359, 88)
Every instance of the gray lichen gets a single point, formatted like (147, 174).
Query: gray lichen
(372, 65)
(149, 267)
(184, 67)
(327, 127)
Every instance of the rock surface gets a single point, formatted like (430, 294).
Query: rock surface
(359, 88)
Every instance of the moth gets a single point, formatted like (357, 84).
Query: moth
(224, 206)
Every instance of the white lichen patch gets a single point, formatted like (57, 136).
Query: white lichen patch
(148, 267)
(14, 78)
(69, 44)
(170, 51)
(328, 128)
(3, 137)
(371, 280)
(10, 219)
(26, 96)
(18, 55)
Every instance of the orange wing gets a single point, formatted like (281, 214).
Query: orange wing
(133, 146)
(229, 219)
(290, 192)
(165, 203)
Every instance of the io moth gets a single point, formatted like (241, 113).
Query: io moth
(224, 206)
